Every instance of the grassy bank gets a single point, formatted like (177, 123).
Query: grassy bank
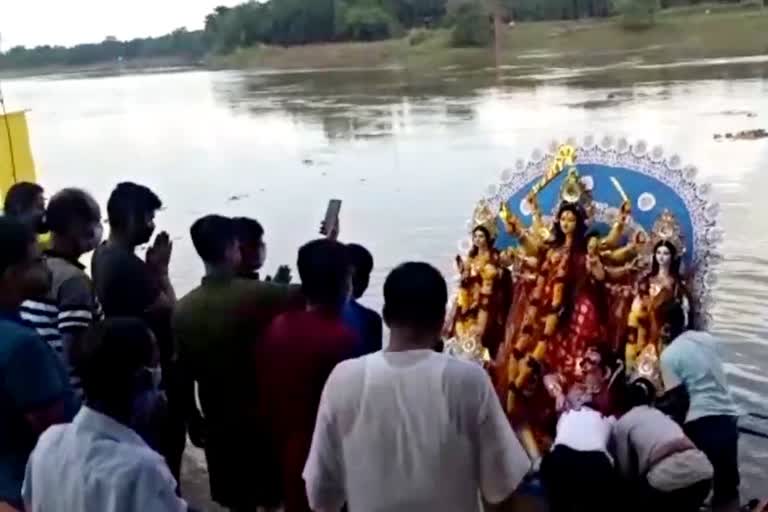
(713, 31)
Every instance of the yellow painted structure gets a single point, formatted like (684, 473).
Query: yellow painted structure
(16, 162)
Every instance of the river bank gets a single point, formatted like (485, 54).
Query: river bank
(107, 68)
(704, 31)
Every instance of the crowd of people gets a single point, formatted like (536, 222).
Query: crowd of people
(104, 376)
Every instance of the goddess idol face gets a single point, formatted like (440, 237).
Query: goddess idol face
(479, 239)
(663, 256)
(568, 222)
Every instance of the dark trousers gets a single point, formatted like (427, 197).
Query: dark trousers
(577, 481)
(718, 438)
(172, 435)
(687, 499)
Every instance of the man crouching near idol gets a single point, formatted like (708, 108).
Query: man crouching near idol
(658, 462)
(579, 472)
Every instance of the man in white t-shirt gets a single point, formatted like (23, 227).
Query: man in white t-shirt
(410, 429)
(579, 474)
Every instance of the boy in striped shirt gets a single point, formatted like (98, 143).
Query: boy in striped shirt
(70, 306)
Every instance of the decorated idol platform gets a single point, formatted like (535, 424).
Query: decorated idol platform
(575, 256)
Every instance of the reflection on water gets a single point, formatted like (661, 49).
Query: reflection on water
(409, 153)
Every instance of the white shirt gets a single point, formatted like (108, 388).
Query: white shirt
(411, 431)
(585, 430)
(96, 464)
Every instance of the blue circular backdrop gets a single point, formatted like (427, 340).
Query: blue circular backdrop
(634, 184)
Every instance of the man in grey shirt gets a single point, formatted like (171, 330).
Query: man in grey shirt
(653, 453)
(70, 307)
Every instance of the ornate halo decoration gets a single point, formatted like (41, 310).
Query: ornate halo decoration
(654, 182)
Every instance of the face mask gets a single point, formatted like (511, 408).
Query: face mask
(144, 235)
(36, 221)
(42, 226)
(91, 243)
(98, 234)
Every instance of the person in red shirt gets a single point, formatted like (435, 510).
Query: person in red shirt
(298, 354)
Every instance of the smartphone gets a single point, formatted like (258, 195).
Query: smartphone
(331, 221)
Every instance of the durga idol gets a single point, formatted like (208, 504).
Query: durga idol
(561, 316)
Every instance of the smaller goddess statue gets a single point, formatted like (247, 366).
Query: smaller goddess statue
(482, 300)
(663, 283)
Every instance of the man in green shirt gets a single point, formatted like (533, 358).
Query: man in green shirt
(217, 327)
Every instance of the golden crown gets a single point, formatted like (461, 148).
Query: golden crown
(573, 189)
(485, 217)
(667, 229)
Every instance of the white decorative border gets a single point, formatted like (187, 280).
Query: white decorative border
(620, 152)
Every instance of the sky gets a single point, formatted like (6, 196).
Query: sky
(69, 22)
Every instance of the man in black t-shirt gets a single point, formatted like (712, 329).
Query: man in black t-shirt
(128, 286)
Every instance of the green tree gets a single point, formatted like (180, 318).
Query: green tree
(414, 13)
(302, 21)
(180, 43)
(367, 23)
(473, 26)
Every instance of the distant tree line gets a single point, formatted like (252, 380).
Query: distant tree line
(292, 22)
(298, 22)
(535, 10)
(179, 43)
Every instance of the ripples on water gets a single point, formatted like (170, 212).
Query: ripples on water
(410, 153)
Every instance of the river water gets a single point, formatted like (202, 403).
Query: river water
(410, 153)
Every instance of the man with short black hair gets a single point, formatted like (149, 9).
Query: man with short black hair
(126, 285)
(299, 352)
(98, 462)
(253, 250)
(34, 390)
(697, 390)
(409, 428)
(217, 327)
(26, 203)
(70, 306)
(129, 287)
(364, 321)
